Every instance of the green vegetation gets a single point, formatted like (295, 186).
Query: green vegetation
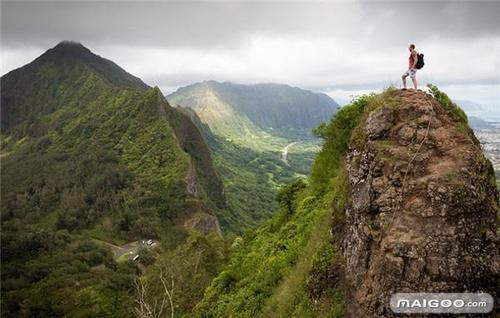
(89, 152)
(261, 261)
(186, 270)
(250, 183)
(251, 178)
(274, 270)
(92, 156)
(264, 117)
(455, 112)
(247, 147)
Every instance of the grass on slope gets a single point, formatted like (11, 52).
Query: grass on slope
(250, 183)
(225, 120)
(273, 270)
(101, 162)
(251, 178)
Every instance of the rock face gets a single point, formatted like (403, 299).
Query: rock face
(204, 223)
(423, 206)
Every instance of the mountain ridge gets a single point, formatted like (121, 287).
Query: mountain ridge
(75, 65)
(274, 97)
(91, 155)
(259, 116)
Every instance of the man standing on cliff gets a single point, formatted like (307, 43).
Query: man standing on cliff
(412, 67)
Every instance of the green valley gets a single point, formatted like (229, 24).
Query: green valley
(255, 153)
(262, 117)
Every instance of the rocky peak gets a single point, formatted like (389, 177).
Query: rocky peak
(422, 208)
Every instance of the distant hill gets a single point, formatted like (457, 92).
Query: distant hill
(469, 106)
(256, 114)
(248, 128)
(488, 112)
(478, 123)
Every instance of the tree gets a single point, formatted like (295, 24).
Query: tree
(286, 195)
(154, 307)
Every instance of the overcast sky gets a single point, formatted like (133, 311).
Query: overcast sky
(340, 48)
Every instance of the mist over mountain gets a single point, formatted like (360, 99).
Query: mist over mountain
(488, 113)
(469, 106)
(254, 111)
(274, 106)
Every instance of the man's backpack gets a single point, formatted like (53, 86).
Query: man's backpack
(420, 61)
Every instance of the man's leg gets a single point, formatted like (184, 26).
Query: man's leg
(413, 76)
(404, 80)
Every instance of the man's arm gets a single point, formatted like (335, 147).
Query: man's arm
(415, 58)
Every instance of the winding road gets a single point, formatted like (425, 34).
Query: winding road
(129, 249)
(284, 153)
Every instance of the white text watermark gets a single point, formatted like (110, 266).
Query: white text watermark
(453, 303)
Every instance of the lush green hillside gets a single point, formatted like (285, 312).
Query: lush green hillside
(290, 266)
(283, 268)
(251, 179)
(260, 137)
(262, 117)
(90, 152)
(274, 106)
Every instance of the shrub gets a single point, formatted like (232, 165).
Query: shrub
(455, 112)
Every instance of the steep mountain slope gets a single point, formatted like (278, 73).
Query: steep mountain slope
(65, 61)
(403, 186)
(263, 116)
(266, 105)
(260, 136)
(91, 152)
(250, 179)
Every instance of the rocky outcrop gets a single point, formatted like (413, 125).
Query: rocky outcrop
(192, 182)
(422, 209)
(202, 174)
(204, 223)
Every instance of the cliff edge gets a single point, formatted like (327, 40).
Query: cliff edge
(422, 208)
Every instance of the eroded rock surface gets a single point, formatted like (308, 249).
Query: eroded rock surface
(422, 211)
(204, 223)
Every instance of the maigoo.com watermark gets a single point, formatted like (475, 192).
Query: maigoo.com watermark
(440, 303)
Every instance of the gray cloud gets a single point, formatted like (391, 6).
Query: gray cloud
(189, 24)
(318, 45)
